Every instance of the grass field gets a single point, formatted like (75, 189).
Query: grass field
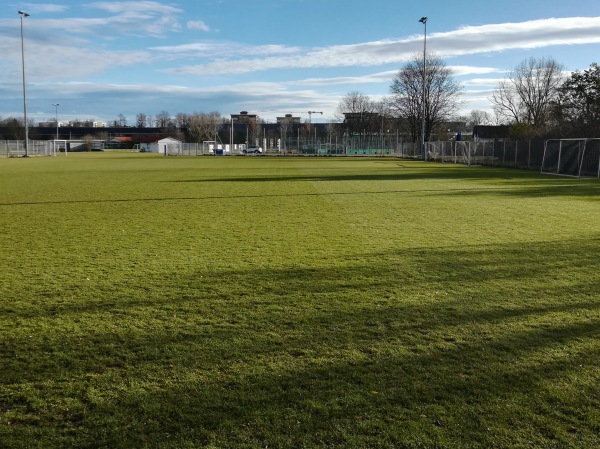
(253, 302)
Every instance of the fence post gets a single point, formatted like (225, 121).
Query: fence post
(455, 144)
(559, 155)
(469, 153)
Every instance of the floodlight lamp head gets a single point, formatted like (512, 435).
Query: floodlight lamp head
(423, 20)
(23, 14)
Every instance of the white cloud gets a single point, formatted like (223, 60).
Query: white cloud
(125, 18)
(44, 7)
(151, 98)
(464, 41)
(79, 48)
(135, 7)
(463, 70)
(482, 82)
(211, 49)
(47, 60)
(387, 76)
(380, 77)
(522, 35)
(198, 25)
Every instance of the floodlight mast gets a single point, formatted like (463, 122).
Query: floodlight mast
(310, 113)
(56, 105)
(22, 15)
(423, 20)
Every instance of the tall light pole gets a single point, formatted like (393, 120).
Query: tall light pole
(230, 139)
(310, 113)
(23, 14)
(423, 20)
(56, 105)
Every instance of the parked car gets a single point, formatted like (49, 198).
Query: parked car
(253, 149)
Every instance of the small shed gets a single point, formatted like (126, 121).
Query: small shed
(166, 146)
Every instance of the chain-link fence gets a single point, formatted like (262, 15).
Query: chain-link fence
(16, 148)
(506, 153)
(364, 145)
(355, 145)
(575, 157)
(572, 157)
(569, 157)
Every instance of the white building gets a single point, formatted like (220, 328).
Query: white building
(167, 147)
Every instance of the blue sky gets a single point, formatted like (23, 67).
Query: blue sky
(269, 57)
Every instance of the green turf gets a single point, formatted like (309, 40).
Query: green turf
(254, 302)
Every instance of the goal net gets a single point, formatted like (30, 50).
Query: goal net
(449, 152)
(572, 157)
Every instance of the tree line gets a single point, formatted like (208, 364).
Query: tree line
(537, 99)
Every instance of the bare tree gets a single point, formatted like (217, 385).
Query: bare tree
(354, 102)
(181, 120)
(102, 135)
(121, 121)
(141, 120)
(358, 112)
(442, 94)
(285, 125)
(88, 142)
(204, 126)
(255, 131)
(163, 120)
(526, 95)
(478, 117)
(331, 128)
(505, 103)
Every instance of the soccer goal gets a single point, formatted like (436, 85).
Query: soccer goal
(59, 146)
(572, 157)
(449, 152)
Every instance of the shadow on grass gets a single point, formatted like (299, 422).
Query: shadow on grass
(412, 173)
(469, 268)
(393, 171)
(486, 346)
(587, 189)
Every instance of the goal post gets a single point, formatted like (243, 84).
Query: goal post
(572, 157)
(455, 152)
(59, 146)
